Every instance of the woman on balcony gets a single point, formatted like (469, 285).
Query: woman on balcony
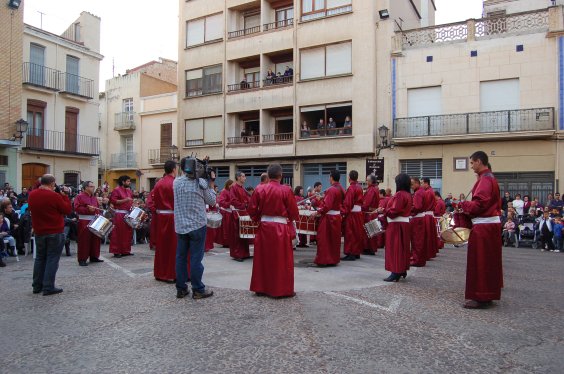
(304, 129)
(347, 126)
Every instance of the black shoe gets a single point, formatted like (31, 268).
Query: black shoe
(357, 257)
(303, 246)
(182, 293)
(128, 254)
(11, 252)
(239, 259)
(37, 291)
(67, 249)
(349, 258)
(82, 263)
(404, 275)
(94, 259)
(117, 255)
(201, 295)
(369, 253)
(2, 263)
(54, 291)
(392, 278)
(21, 251)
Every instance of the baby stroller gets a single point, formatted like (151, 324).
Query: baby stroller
(528, 235)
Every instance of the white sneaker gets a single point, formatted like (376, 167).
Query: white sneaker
(557, 250)
(542, 250)
(552, 250)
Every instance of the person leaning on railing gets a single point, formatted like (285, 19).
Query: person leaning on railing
(305, 130)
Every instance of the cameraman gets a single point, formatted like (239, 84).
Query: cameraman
(192, 191)
(48, 204)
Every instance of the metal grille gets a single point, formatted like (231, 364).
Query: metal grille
(320, 173)
(432, 169)
(534, 184)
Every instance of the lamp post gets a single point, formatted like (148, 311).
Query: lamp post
(174, 153)
(21, 128)
(383, 133)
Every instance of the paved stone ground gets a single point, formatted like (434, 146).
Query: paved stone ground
(115, 318)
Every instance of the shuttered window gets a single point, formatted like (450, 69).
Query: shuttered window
(326, 61)
(204, 131)
(320, 173)
(204, 30)
(432, 169)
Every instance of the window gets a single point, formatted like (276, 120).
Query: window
(70, 178)
(204, 30)
(320, 173)
(3, 160)
(35, 117)
(72, 77)
(319, 117)
(422, 103)
(284, 16)
(252, 20)
(204, 81)
(128, 109)
(330, 60)
(312, 9)
(203, 131)
(37, 62)
(432, 169)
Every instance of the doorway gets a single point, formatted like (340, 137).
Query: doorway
(71, 129)
(32, 172)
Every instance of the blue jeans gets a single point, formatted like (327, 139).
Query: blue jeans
(48, 252)
(558, 243)
(194, 243)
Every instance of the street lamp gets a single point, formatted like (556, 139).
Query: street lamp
(383, 132)
(14, 4)
(174, 153)
(21, 128)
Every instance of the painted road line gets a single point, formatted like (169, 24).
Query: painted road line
(393, 308)
(117, 267)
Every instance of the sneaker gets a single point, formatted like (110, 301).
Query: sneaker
(542, 250)
(552, 250)
(201, 295)
(182, 293)
(557, 250)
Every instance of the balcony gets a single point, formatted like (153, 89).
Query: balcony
(61, 142)
(243, 86)
(278, 25)
(243, 32)
(124, 121)
(326, 12)
(159, 156)
(524, 123)
(123, 160)
(244, 140)
(281, 80)
(76, 85)
(278, 138)
(40, 76)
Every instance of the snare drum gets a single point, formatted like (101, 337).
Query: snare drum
(100, 226)
(214, 220)
(247, 227)
(307, 222)
(135, 217)
(373, 228)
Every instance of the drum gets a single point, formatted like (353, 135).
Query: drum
(307, 222)
(135, 217)
(214, 220)
(247, 227)
(451, 234)
(373, 228)
(100, 226)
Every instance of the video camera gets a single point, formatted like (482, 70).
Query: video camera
(196, 168)
(65, 189)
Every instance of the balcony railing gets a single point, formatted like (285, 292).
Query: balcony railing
(197, 142)
(251, 139)
(534, 21)
(275, 138)
(327, 12)
(40, 76)
(243, 86)
(76, 85)
(504, 121)
(159, 156)
(323, 133)
(244, 32)
(123, 160)
(124, 121)
(284, 79)
(61, 142)
(278, 24)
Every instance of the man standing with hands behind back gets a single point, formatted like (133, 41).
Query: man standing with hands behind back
(122, 199)
(48, 206)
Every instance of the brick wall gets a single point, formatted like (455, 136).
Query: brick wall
(11, 51)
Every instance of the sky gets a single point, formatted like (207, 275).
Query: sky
(134, 32)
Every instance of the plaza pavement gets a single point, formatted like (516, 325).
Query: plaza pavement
(113, 317)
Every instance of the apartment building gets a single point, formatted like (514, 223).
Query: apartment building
(252, 73)
(59, 76)
(138, 122)
(493, 84)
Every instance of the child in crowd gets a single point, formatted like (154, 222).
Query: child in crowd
(6, 236)
(508, 234)
(558, 231)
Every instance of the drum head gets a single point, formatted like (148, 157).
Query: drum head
(459, 235)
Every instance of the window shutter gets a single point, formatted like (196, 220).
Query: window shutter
(213, 130)
(312, 63)
(214, 27)
(339, 59)
(195, 32)
(194, 129)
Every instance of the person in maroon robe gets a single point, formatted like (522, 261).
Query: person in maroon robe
(274, 206)
(439, 211)
(371, 203)
(417, 222)
(484, 272)
(315, 201)
(299, 196)
(153, 228)
(86, 206)
(121, 199)
(238, 247)
(163, 200)
(329, 229)
(430, 224)
(224, 202)
(398, 232)
(381, 239)
(354, 219)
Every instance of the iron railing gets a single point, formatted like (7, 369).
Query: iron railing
(251, 139)
(317, 133)
(327, 12)
(160, 155)
(244, 32)
(278, 24)
(76, 85)
(197, 142)
(504, 121)
(124, 121)
(284, 79)
(275, 138)
(61, 142)
(40, 76)
(243, 86)
(123, 160)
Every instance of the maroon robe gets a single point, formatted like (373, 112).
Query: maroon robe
(122, 234)
(238, 247)
(153, 228)
(354, 221)
(370, 203)
(165, 253)
(88, 244)
(484, 272)
(329, 229)
(430, 224)
(440, 210)
(224, 202)
(273, 262)
(381, 239)
(398, 234)
(418, 229)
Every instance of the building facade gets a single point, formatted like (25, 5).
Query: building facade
(59, 76)
(138, 123)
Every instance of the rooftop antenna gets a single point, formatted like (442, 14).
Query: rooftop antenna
(41, 22)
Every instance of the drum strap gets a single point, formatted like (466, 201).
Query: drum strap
(86, 218)
(482, 220)
(165, 211)
(282, 220)
(121, 211)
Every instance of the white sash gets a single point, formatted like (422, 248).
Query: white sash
(398, 219)
(482, 220)
(281, 220)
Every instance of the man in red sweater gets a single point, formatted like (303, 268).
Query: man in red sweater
(48, 210)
